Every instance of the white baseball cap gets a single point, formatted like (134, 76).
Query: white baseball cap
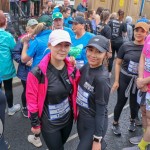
(58, 36)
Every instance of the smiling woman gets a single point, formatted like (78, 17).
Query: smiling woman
(92, 97)
(51, 93)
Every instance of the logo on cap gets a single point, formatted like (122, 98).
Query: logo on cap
(96, 40)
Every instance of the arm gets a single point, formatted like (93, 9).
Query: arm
(24, 57)
(32, 99)
(117, 74)
(101, 100)
(17, 52)
(141, 82)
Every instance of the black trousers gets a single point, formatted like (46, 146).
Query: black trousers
(115, 48)
(57, 139)
(121, 99)
(2, 120)
(8, 91)
(14, 8)
(37, 8)
(25, 6)
(86, 128)
(23, 95)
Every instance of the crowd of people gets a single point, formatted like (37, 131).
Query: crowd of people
(65, 62)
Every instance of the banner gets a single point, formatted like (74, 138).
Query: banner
(136, 1)
(121, 3)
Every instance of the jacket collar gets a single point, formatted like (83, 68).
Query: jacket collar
(44, 63)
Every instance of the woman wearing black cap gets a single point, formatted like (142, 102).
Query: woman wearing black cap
(92, 120)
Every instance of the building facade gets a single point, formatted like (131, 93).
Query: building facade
(131, 7)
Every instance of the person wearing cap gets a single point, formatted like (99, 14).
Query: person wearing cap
(126, 72)
(79, 41)
(143, 84)
(93, 119)
(51, 92)
(58, 23)
(34, 49)
(23, 68)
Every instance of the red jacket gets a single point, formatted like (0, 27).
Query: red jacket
(36, 90)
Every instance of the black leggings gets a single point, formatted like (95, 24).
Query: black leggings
(8, 91)
(86, 128)
(121, 99)
(57, 139)
(2, 119)
(115, 49)
(23, 96)
(36, 8)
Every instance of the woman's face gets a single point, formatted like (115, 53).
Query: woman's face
(60, 51)
(68, 13)
(95, 57)
(30, 29)
(139, 34)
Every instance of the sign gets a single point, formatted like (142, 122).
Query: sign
(121, 3)
(136, 1)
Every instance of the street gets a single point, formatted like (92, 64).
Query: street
(17, 128)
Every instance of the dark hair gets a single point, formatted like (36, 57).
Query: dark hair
(104, 15)
(65, 9)
(90, 12)
(120, 12)
(2, 19)
(80, 14)
(99, 10)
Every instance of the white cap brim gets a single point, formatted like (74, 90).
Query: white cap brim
(59, 41)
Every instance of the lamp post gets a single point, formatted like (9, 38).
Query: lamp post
(142, 7)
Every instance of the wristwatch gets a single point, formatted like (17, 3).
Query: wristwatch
(97, 138)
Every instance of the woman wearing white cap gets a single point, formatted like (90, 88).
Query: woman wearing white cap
(93, 96)
(51, 93)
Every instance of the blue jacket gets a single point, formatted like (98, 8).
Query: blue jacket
(38, 46)
(81, 8)
(23, 70)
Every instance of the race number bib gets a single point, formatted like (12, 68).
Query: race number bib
(79, 64)
(147, 64)
(148, 101)
(82, 98)
(59, 110)
(133, 67)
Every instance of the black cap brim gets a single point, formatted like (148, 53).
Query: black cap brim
(72, 21)
(101, 49)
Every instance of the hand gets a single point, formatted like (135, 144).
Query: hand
(36, 131)
(26, 38)
(72, 60)
(140, 83)
(114, 87)
(144, 88)
(96, 146)
(109, 54)
(29, 63)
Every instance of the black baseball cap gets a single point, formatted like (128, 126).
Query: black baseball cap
(77, 19)
(99, 42)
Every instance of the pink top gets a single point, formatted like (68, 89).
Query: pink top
(146, 52)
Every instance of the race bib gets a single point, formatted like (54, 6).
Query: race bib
(82, 98)
(148, 101)
(79, 64)
(147, 64)
(133, 67)
(59, 110)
